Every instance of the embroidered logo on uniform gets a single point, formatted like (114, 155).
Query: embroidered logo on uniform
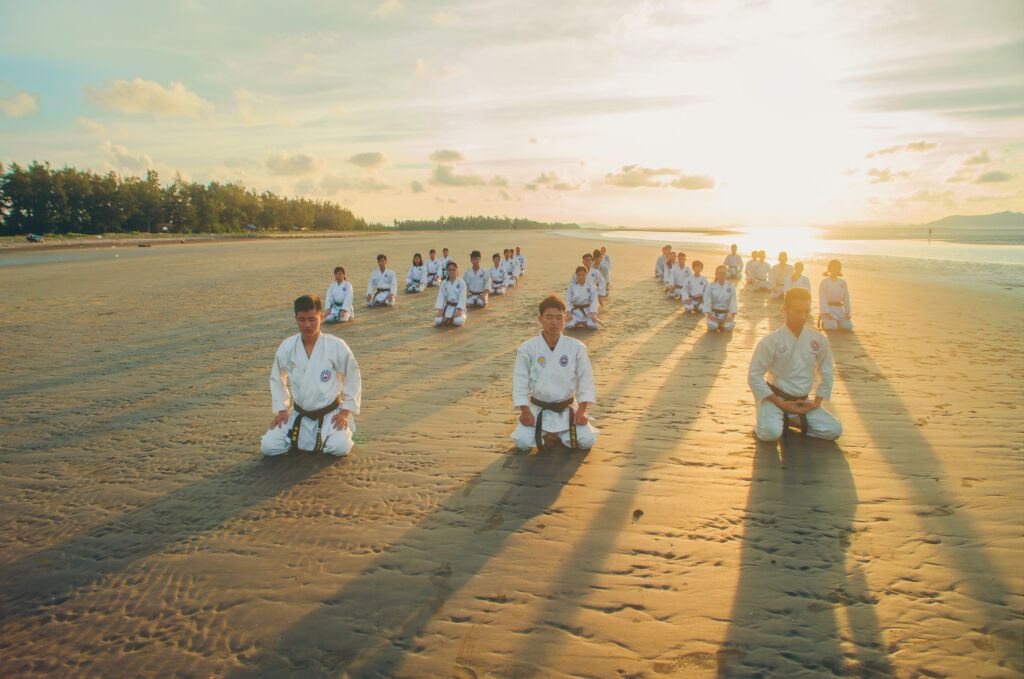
(541, 360)
(563, 361)
(325, 376)
(291, 365)
(815, 346)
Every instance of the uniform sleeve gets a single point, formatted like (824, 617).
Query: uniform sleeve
(462, 295)
(705, 305)
(824, 389)
(408, 275)
(568, 300)
(822, 297)
(755, 375)
(595, 304)
(346, 297)
(280, 396)
(327, 297)
(732, 301)
(601, 284)
(351, 380)
(394, 283)
(846, 299)
(521, 378)
(369, 284)
(584, 378)
(439, 302)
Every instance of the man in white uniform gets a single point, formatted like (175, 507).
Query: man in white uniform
(834, 300)
(382, 288)
(659, 266)
(694, 289)
(594, 276)
(445, 258)
(676, 277)
(581, 301)
(477, 282)
(733, 263)
(520, 260)
(720, 302)
(779, 273)
(789, 357)
(497, 275)
(553, 385)
(339, 299)
(605, 255)
(433, 266)
(758, 272)
(602, 265)
(451, 299)
(316, 377)
(416, 276)
(797, 279)
(509, 267)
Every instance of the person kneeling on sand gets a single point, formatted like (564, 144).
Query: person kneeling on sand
(451, 298)
(733, 263)
(433, 267)
(497, 276)
(317, 376)
(790, 356)
(695, 288)
(339, 299)
(416, 276)
(663, 259)
(797, 279)
(834, 300)
(720, 302)
(520, 260)
(477, 282)
(382, 287)
(581, 300)
(779, 274)
(553, 385)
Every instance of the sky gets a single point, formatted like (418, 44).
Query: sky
(689, 113)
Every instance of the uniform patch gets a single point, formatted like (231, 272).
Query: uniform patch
(291, 365)
(815, 346)
(325, 376)
(563, 361)
(541, 360)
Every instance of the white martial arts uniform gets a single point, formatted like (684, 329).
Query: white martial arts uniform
(498, 279)
(582, 305)
(380, 285)
(433, 267)
(521, 261)
(659, 268)
(606, 272)
(779, 273)
(510, 269)
(720, 305)
(791, 362)
(477, 284)
(693, 293)
(733, 265)
(758, 273)
(676, 279)
(416, 278)
(553, 376)
(801, 282)
(595, 278)
(451, 297)
(312, 383)
(444, 267)
(338, 303)
(834, 299)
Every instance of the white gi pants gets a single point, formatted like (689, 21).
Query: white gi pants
(577, 316)
(778, 292)
(380, 298)
(476, 300)
(525, 437)
(337, 315)
(758, 285)
(693, 304)
(733, 272)
(498, 290)
(821, 424)
(675, 293)
(837, 321)
(413, 287)
(718, 320)
(454, 314)
(334, 441)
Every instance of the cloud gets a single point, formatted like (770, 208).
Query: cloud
(91, 126)
(445, 175)
(122, 159)
(416, 187)
(635, 176)
(931, 197)
(550, 181)
(145, 96)
(884, 175)
(914, 147)
(17, 104)
(446, 156)
(293, 164)
(368, 161)
(994, 176)
(429, 68)
(505, 194)
(386, 9)
(980, 158)
(331, 185)
(258, 109)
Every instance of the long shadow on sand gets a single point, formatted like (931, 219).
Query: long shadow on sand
(48, 577)
(794, 582)
(367, 627)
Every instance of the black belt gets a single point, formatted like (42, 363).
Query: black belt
(318, 415)
(475, 293)
(555, 408)
(444, 312)
(785, 416)
(581, 307)
(720, 311)
(699, 298)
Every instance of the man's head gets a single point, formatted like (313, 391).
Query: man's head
(665, 249)
(339, 273)
(518, 251)
(604, 250)
(797, 308)
(588, 260)
(433, 253)
(596, 255)
(783, 258)
(720, 272)
(497, 258)
(474, 257)
(670, 258)
(681, 258)
(697, 267)
(308, 314)
(798, 269)
(444, 251)
(581, 274)
(552, 315)
(732, 249)
(505, 253)
(382, 261)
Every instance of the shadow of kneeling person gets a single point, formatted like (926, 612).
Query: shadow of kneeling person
(367, 627)
(794, 582)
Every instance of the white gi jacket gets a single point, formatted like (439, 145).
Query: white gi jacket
(779, 274)
(433, 267)
(834, 295)
(315, 381)
(720, 297)
(595, 278)
(695, 286)
(379, 280)
(581, 294)
(339, 296)
(416, 274)
(497, 276)
(552, 376)
(791, 361)
(659, 268)
(477, 282)
(734, 262)
(451, 294)
(801, 282)
(521, 261)
(679, 277)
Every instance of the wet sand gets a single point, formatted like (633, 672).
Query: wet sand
(141, 533)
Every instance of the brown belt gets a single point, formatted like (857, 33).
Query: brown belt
(785, 416)
(318, 415)
(555, 408)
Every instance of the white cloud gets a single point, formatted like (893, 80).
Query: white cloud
(550, 180)
(145, 96)
(635, 176)
(913, 147)
(693, 182)
(980, 158)
(881, 176)
(122, 159)
(993, 177)
(91, 126)
(18, 104)
(293, 164)
(445, 175)
(386, 9)
(446, 156)
(367, 161)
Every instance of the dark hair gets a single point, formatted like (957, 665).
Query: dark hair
(309, 302)
(696, 262)
(452, 262)
(581, 268)
(475, 253)
(551, 302)
(339, 269)
(587, 254)
(797, 294)
(380, 257)
(495, 255)
(444, 248)
(432, 251)
(597, 253)
(414, 258)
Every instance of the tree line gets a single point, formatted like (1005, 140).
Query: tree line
(478, 222)
(39, 199)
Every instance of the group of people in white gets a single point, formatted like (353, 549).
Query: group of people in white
(316, 387)
(455, 295)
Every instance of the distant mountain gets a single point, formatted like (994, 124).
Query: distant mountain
(995, 219)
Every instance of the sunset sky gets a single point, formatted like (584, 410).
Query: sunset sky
(755, 113)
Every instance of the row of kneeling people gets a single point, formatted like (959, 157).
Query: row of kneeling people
(316, 387)
(454, 294)
(681, 282)
(588, 284)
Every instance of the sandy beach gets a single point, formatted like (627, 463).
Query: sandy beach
(142, 534)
